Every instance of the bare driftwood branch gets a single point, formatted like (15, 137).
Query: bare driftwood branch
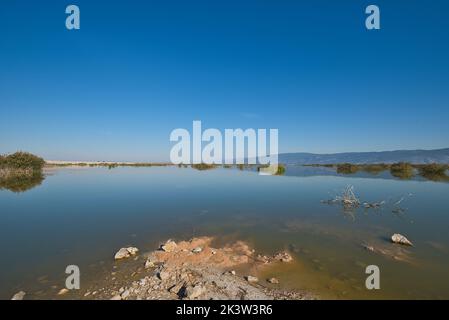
(347, 198)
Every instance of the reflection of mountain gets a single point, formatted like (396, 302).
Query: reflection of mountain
(412, 156)
(21, 182)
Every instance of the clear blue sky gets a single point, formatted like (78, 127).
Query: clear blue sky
(115, 89)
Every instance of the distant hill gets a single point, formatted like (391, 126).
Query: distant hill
(412, 156)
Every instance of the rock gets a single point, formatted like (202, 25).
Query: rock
(251, 279)
(169, 246)
(149, 264)
(125, 294)
(194, 292)
(213, 251)
(197, 250)
(176, 289)
(263, 259)
(273, 281)
(284, 257)
(400, 239)
(369, 248)
(63, 291)
(121, 254)
(233, 272)
(19, 295)
(125, 253)
(116, 297)
(163, 275)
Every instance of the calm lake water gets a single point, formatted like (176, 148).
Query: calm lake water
(83, 216)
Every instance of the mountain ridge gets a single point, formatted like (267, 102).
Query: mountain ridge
(418, 156)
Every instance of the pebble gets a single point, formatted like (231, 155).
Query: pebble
(400, 239)
(197, 250)
(125, 253)
(251, 279)
(149, 264)
(163, 275)
(125, 294)
(19, 295)
(194, 292)
(169, 246)
(63, 291)
(273, 281)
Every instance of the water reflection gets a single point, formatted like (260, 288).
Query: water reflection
(21, 182)
(368, 171)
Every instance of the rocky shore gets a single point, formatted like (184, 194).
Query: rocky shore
(189, 270)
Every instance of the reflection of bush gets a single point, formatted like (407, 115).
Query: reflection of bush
(203, 166)
(402, 170)
(375, 168)
(347, 168)
(20, 180)
(433, 171)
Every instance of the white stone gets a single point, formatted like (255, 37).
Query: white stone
(197, 250)
(63, 291)
(169, 246)
(194, 292)
(19, 295)
(251, 279)
(125, 253)
(399, 238)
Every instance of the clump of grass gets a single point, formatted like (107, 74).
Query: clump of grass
(402, 170)
(347, 168)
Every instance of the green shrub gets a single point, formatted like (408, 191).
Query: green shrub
(22, 160)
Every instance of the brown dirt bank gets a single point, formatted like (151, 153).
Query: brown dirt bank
(190, 270)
